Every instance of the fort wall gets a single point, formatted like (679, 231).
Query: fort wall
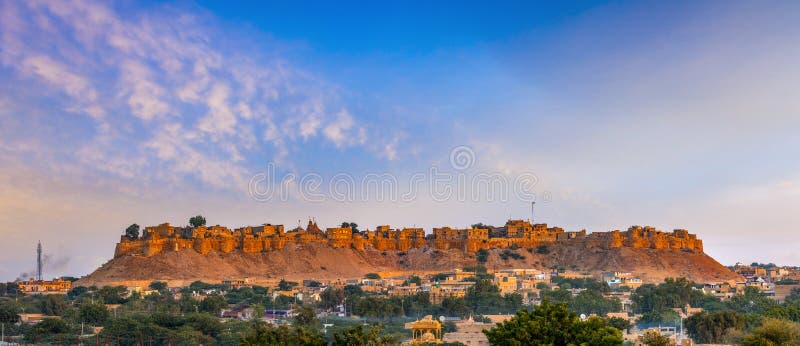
(516, 233)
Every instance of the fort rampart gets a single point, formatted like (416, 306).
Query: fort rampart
(515, 233)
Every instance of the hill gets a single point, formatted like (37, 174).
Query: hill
(321, 261)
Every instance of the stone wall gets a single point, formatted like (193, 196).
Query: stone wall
(515, 233)
(647, 237)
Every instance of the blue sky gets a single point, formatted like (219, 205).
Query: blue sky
(672, 114)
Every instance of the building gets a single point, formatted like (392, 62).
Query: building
(469, 332)
(448, 289)
(506, 283)
(56, 286)
(237, 282)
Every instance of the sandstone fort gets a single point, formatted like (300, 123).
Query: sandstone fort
(515, 233)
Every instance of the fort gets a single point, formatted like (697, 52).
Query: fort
(515, 233)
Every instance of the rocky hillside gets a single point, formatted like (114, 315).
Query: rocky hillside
(319, 261)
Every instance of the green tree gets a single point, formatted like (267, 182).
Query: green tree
(774, 332)
(482, 255)
(112, 294)
(672, 293)
(557, 296)
(664, 315)
(125, 330)
(213, 304)
(654, 338)
(752, 301)
(481, 225)
(199, 285)
(204, 323)
(413, 280)
(712, 328)
(356, 336)
(93, 313)
(264, 334)
(553, 324)
(197, 221)
(375, 307)
(306, 317)
(132, 232)
(439, 277)
(595, 331)
(620, 323)
(158, 286)
(53, 305)
(417, 305)
(9, 311)
(373, 276)
(46, 328)
(452, 306)
(77, 291)
(331, 297)
(282, 302)
(485, 297)
(353, 290)
(353, 226)
(189, 303)
(284, 285)
(593, 302)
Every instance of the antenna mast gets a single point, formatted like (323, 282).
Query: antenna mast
(532, 204)
(39, 261)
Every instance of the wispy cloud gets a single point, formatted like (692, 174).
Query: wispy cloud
(182, 101)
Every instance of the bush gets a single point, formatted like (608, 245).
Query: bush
(413, 280)
(508, 253)
(774, 332)
(284, 285)
(482, 255)
(213, 304)
(95, 314)
(712, 328)
(439, 277)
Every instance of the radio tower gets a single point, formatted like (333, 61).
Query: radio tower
(39, 261)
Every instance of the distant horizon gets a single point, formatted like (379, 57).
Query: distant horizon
(606, 114)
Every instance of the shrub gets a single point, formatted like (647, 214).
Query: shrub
(482, 255)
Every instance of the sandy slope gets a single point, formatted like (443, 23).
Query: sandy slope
(323, 262)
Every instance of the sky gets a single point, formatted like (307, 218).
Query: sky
(681, 114)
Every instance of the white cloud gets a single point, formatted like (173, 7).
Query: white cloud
(389, 149)
(337, 130)
(220, 118)
(144, 95)
(309, 127)
(74, 85)
(166, 90)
